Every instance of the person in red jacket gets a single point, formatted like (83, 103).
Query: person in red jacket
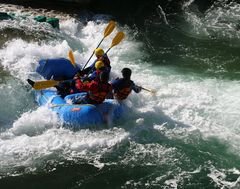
(71, 86)
(97, 90)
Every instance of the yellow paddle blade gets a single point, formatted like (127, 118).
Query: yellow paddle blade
(110, 27)
(71, 58)
(117, 39)
(38, 85)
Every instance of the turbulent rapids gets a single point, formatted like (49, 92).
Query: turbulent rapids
(185, 136)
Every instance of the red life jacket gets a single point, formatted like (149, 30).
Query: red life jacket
(123, 93)
(78, 84)
(78, 87)
(99, 91)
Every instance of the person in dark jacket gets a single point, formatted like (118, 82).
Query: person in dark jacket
(71, 86)
(99, 67)
(64, 88)
(122, 87)
(101, 56)
(97, 90)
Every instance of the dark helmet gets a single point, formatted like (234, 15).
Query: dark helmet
(104, 76)
(126, 72)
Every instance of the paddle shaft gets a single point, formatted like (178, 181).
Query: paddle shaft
(108, 50)
(116, 40)
(110, 27)
(93, 53)
(149, 90)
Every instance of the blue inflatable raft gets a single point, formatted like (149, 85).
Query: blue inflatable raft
(57, 69)
(79, 115)
(73, 115)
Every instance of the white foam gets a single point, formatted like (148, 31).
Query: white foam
(219, 177)
(209, 105)
(182, 101)
(35, 122)
(31, 151)
(70, 27)
(220, 20)
(172, 183)
(21, 58)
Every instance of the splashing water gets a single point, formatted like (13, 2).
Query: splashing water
(187, 134)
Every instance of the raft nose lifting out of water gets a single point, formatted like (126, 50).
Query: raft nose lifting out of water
(73, 115)
(57, 69)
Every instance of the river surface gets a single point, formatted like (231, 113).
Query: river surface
(184, 137)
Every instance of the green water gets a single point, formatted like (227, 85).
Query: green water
(187, 136)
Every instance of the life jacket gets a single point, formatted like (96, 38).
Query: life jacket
(122, 88)
(99, 95)
(78, 87)
(106, 61)
(78, 83)
(95, 76)
(123, 93)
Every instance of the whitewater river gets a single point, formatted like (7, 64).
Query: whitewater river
(186, 136)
